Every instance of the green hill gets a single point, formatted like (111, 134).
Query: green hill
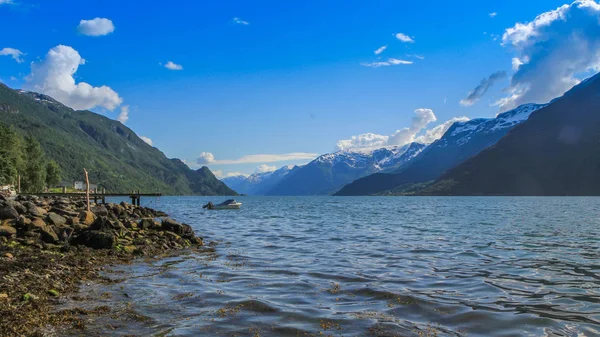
(115, 156)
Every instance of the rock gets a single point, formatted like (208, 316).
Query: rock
(8, 256)
(86, 218)
(8, 212)
(23, 221)
(129, 249)
(55, 219)
(100, 210)
(104, 224)
(182, 230)
(148, 223)
(8, 231)
(48, 234)
(63, 212)
(16, 205)
(64, 233)
(95, 239)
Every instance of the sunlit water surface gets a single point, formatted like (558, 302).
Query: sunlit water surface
(391, 266)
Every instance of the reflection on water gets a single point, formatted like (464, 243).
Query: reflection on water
(372, 267)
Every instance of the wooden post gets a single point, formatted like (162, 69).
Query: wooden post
(19, 184)
(87, 189)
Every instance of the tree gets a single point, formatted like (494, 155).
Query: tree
(11, 155)
(52, 174)
(34, 175)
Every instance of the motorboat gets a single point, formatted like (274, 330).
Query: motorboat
(227, 204)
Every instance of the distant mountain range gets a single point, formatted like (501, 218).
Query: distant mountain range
(462, 141)
(258, 183)
(555, 152)
(115, 156)
(326, 174)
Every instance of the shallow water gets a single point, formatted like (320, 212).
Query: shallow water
(390, 266)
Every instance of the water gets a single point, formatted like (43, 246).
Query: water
(392, 266)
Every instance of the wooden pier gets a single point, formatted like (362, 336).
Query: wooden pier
(135, 196)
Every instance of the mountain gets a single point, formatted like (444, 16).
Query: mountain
(116, 158)
(462, 141)
(555, 152)
(330, 172)
(258, 183)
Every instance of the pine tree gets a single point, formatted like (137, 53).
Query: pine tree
(11, 155)
(34, 175)
(52, 174)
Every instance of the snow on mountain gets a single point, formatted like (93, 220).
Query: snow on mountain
(331, 171)
(462, 132)
(460, 142)
(257, 183)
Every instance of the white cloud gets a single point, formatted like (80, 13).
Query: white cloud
(239, 21)
(220, 175)
(124, 115)
(14, 53)
(482, 88)
(399, 138)
(265, 168)
(389, 62)
(552, 50)
(380, 50)
(96, 27)
(493, 14)
(146, 140)
(404, 38)
(206, 158)
(6, 2)
(437, 132)
(54, 77)
(173, 66)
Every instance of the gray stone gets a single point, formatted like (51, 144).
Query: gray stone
(8, 212)
(95, 239)
(56, 219)
(8, 231)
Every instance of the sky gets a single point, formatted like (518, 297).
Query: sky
(250, 86)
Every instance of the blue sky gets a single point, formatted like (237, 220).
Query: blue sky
(286, 79)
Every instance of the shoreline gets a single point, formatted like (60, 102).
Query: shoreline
(49, 247)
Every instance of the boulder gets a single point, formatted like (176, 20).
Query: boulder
(94, 239)
(86, 218)
(63, 212)
(16, 205)
(23, 221)
(55, 219)
(34, 210)
(8, 231)
(8, 212)
(48, 234)
(100, 210)
(148, 223)
(182, 230)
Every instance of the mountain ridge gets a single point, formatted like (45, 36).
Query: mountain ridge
(115, 156)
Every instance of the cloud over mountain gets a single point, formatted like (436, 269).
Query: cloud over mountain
(54, 76)
(552, 51)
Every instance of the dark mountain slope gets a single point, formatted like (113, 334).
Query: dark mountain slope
(115, 156)
(462, 141)
(556, 152)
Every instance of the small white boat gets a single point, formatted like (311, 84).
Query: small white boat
(227, 204)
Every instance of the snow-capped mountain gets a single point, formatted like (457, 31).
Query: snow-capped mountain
(331, 171)
(257, 183)
(460, 142)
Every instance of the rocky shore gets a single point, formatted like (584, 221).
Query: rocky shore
(49, 246)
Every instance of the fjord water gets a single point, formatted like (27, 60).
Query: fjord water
(389, 266)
